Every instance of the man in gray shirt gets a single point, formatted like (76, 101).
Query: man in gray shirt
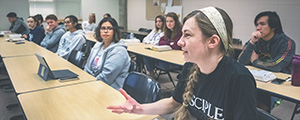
(17, 24)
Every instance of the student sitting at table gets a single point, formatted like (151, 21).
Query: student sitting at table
(269, 48)
(90, 25)
(216, 86)
(37, 32)
(40, 19)
(71, 40)
(17, 24)
(154, 36)
(109, 60)
(53, 33)
(172, 33)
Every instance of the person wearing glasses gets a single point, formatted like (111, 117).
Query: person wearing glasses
(108, 60)
(212, 85)
(53, 33)
(71, 40)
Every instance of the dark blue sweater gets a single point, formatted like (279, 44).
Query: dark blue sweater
(36, 35)
(275, 55)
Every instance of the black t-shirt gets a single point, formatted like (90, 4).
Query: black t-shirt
(229, 92)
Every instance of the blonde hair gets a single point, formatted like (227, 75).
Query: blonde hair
(183, 113)
(208, 30)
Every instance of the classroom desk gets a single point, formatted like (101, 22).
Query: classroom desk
(2, 40)
(90, 36)
(137, 32)
(285, 90)
(10, 49)
(86, 101)
(173, 56)
(23, 72)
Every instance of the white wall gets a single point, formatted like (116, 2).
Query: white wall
(136, 14)
(242, 13)
(61, 8)
(21, 7)
(100, 7)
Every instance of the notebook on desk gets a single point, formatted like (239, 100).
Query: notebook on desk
(46, 73)
(160, 48)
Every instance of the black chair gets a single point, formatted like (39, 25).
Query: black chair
(145, 30)
(79, 58)
(296, 110)
(236, 41)
(141, 87)
(132, 66)
(162, 71)
(236, 52)
(263, 115)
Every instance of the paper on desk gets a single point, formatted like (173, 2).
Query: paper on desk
(15, 39)
(14, 35)
(134, 40)
(160, 48)
(263, 75)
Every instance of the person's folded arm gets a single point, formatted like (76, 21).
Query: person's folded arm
(49, 42)
(245, 55)
(282, 59)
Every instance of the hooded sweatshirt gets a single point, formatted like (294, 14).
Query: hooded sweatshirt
(69, 42)
(36, 35)
(275, 54)
(109, 65)
(52, 38)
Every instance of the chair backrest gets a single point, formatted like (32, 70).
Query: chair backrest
(79, 58)
(144, 30)
(263, 115)
(132, 66)
(141, 87)
(237, 41)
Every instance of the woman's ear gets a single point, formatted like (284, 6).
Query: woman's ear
(213, 41)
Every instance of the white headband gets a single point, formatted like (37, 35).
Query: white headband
(217, 20)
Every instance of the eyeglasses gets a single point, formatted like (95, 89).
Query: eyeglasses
(67, 22)
(106, 28)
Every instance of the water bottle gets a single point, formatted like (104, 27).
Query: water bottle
(296, 71)
(131, 36)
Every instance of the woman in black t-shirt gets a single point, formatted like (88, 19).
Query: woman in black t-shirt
(212, 86)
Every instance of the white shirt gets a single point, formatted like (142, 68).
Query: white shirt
(86, 26)
(153, 38)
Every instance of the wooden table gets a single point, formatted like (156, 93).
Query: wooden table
(23, 72)
(173, 56)
(86, 101)
(2, 39)
(90, 36)
(285, 90)
(10, 49)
